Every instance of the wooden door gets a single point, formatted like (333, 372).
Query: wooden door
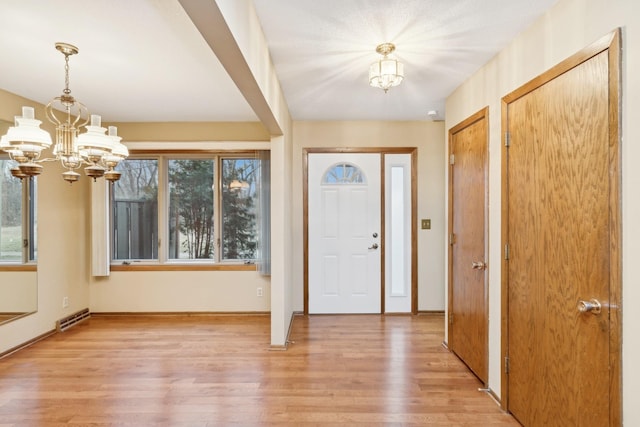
(344, 233)
(468, 316)
(562, 232)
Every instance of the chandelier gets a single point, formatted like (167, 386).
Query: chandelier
(386, 72)
(98, 148)
(238, 185)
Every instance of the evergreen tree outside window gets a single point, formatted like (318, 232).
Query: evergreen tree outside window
(191, 217)
(239, 203)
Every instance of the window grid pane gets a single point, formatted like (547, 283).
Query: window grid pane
(135, 210)
(240, 178)
(191, 218)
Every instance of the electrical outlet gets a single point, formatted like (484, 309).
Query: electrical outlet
(65, 302)
(259, 292)
(426, 224)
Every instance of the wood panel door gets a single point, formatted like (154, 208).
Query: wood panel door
(562, 235)
(468, 316)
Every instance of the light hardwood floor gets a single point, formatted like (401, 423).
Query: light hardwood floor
(359, 370)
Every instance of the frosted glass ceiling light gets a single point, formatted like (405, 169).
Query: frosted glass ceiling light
(386, 72)
(25, 141)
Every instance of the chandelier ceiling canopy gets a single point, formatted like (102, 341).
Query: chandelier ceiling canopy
(98, 148)
(386, 72)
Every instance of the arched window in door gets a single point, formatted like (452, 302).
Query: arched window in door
(343, 173)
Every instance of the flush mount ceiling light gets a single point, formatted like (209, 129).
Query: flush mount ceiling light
(386, 72)
(99, 150)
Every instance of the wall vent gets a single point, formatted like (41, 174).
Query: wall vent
(72, 320)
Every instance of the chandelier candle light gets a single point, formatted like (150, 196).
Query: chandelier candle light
(98, 147)
(386, 72)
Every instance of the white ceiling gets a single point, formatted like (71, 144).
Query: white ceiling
(143, 60)
(322, 50)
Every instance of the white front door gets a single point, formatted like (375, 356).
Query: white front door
(344, 233)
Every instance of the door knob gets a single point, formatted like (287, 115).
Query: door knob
(374, 246)
(592, 306)
(478, 265)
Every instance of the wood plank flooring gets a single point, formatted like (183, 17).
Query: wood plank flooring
(358, 370)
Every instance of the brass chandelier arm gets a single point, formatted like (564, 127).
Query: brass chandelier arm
(81, 118)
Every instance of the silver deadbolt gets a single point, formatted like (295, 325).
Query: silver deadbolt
(374, 246)
(592, 306)
(375, 235)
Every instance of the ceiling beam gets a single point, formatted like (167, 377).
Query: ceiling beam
(209, 20)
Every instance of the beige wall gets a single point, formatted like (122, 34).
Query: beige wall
(18, 291)
(62, 246)
(561, 32)
(428, 137)
(180, 291)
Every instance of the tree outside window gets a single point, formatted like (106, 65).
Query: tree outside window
(239, 201)
(191, 209)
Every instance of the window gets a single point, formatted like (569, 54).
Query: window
(135, 210)
(205, 208)
(17, 217)
(239, 200)
(191, 209)
(343, 173)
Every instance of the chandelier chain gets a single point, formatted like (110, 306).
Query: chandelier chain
(66, 90)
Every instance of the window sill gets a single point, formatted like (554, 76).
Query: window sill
(18, 267)
(184, 267)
